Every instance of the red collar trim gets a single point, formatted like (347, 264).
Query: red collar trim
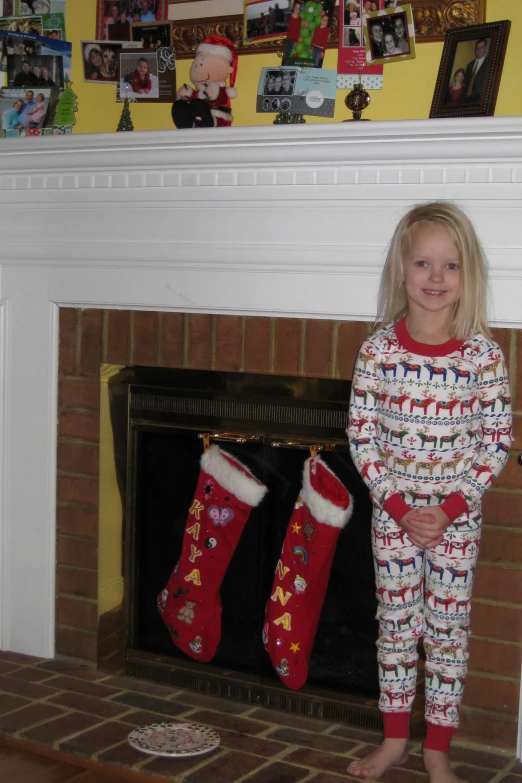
(424, 349)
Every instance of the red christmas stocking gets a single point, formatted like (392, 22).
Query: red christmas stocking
(292, 613)
(190, 603)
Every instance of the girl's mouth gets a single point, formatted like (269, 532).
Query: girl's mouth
(433, 292)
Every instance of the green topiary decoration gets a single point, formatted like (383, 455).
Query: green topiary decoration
(287, 118)
(125, 123)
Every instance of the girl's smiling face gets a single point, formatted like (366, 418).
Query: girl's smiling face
(389, 43)
(432, 271)
(143, 68)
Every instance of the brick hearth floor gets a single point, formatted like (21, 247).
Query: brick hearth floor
(84, 712)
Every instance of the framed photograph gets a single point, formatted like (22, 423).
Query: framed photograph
(152, 35)
(265, 20)
(470, 70)
(101, 61)
(123, 12)
(389, 35)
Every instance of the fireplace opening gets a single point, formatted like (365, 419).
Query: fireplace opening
(269, 423)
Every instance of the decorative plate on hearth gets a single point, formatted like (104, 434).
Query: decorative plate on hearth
(175, 740)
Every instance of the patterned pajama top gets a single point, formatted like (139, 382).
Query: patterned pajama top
(429, 422)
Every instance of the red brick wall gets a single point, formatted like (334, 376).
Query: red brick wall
(279, 346)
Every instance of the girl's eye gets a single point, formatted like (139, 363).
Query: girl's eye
(453, 267)
(421, 263)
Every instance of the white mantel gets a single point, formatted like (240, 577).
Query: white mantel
(284, 220)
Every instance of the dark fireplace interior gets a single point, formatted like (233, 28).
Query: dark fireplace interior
(269, 423)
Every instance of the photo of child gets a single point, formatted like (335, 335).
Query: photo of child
(36, 115)
(139, 76)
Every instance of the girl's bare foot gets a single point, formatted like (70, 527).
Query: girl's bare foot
(390, 753)
(437, 766)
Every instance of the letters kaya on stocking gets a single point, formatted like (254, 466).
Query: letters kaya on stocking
(190, 604)
(292, 613)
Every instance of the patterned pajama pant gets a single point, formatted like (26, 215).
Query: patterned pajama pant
(424, 593)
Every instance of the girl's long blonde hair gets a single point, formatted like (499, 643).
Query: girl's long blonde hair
(470, 313)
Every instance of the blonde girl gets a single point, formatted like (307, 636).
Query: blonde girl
(429, 427)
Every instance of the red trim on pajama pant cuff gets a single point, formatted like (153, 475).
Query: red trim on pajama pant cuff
(438, 737)
(396, 724)
(454, 506)
(396, 507)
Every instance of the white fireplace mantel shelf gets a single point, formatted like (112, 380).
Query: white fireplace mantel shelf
(278, 221)
(489, 140)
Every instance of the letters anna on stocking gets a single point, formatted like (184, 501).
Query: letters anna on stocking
(292, 613)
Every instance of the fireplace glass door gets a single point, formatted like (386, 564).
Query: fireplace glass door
(163, 449)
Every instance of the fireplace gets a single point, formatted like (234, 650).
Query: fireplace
(249, 250)
(270, 423)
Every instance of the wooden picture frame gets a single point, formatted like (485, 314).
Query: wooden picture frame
(470, 70)
(103, 11)
(154, 35)
(432, 18)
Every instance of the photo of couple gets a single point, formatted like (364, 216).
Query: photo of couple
(37, 71)
(469, 75)
(23, 109)
(279, 83)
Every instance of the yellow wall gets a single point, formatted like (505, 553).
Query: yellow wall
(407, 93)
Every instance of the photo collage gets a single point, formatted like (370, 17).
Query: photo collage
(35, 59)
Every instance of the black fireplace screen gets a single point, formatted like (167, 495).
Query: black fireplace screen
(267, 423)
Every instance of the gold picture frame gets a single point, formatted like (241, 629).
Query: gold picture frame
(432, 18)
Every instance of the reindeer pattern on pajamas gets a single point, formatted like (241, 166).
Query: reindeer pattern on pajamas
(429, 425)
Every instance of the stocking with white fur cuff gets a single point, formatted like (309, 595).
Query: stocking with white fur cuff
(190, 604)
(292, 612)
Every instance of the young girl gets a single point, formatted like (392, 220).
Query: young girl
(36, 115)
(139, 79)
(457, 87)
(429, 428)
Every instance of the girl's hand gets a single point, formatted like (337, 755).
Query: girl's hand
(425, 527)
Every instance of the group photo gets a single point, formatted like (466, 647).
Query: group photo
(114, 18)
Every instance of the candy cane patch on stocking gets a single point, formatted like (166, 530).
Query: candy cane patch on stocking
(190, 603)
(292, 613)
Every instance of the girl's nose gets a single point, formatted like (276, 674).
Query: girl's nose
(436, 274)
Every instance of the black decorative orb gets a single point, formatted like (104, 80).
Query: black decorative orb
(357, 100)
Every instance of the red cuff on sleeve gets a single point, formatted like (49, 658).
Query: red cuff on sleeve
(454, 506)
(396, 507)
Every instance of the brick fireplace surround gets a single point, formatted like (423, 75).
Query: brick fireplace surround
(282, 346)
(244, 251)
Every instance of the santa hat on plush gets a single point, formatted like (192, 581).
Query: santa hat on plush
(222, 47)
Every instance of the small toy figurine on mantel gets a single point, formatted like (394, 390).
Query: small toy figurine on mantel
(207, 105)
